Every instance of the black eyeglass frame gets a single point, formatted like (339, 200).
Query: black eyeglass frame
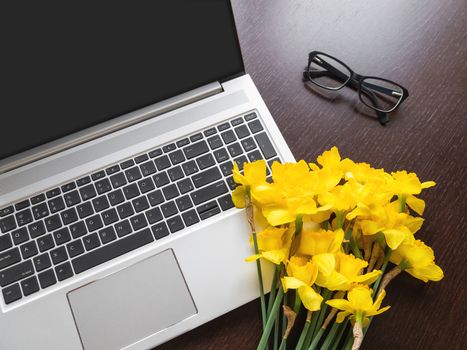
(356, 82)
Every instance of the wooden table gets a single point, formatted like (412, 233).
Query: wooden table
(423, 46)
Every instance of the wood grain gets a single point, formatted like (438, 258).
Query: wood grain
(422, 45)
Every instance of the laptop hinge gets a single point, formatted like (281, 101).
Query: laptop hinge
(110, 126)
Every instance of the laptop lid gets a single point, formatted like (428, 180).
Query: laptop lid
(67, 66)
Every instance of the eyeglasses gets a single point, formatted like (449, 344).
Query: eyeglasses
(381, 95)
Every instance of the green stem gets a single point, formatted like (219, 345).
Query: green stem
(298, 303)
(330, 337)
(284, 318)
(301, 340)
(387, 255)
(276, 332)
(309, 336)
(260, 280)
(283, 344)
(348, 340)
(348, 234)
(354, 247)
(298, 224)
(342, 329)
(316, 339)
(271, 319)
(340, 219)
(326, 295)
(402, 200)
(272, 293)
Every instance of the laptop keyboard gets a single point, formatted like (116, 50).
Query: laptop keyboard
(67, 230)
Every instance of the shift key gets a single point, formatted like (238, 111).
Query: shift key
(209, 192)
(16, 273)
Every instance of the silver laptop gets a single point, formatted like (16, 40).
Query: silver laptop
(119, 125)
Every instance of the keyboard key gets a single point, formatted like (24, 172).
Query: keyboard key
(62, 236)
(42, 262)
(9, 257)
(91, 241)
(78, 229)
(209, 192)
(131, 191)
(37, 199)
(116, 197)
(11, 293)
(177, 157)
(255, 126)
(16, 272)
(118, 180)
(36, 229)
(107, 235)
(72, 198)
(5, 242)
(68, 187)
(185, 186)
(223, 126)
(109, 216)
(169, 209)
(270, 162)
(138, 222)
(148, 168)
(161, 179)
(235, 149)
(40, 211)
(123, 228)
(29, 285)
(241, 162)
(155, 197)
(160, 230)
(113, 169)
(210, 132)
(190, 217)
(98, 175)
(127, 163)
(183, 142)
(47, 278)
(19, 236)
(141, 158)
(7, 211)
(112, 250)
(94, 223)
(100, 203)
(56, 204)
(170, 191)
(196, 137)
(162, 162)
(53, 193)
(103, 186)
(221, 155)
(53, 222)
(75, 248)
(215, 142)
(205, 161)
(250, 116)
(83, 181)
(207, 214)
(85, 210)
(45, 243)
(22, 204)
(184, 203)
(175, 224)
(190, 167)
(155, 153)
(140, 204)
(196, 149)
(63, 271)
(265, 145)
(124, 210)
(28, 249)
(8, 223)
(146, 185)
(58, 255)
(154, 215)
(231, 183)
(87, 192)
(169, 148)
(254, 156)
(205, 177)
(69, 216)
(133, 174)
(237, 121)
(24, 217)
(242, 131)
(248, 144)
(175, 173)
(228, 136)
(226, 168)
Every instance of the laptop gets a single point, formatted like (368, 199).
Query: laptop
(120, 123)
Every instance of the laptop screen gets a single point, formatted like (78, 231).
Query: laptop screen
(66, 66)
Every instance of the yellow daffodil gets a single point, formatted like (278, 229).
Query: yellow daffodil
(253, 176)
(341, 271)
(340, 198)
(359, 304)
(320, 241)
(406, 185)
(417, 259)
(273, 245)
(301, 274)
(329, 160)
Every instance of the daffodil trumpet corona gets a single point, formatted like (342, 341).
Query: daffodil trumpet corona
(331, 229)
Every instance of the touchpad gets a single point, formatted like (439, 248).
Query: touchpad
(129, 305)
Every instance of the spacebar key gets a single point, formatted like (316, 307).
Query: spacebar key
(112, 250)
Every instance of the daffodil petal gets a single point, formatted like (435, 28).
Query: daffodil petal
(428, 184)
(340, 304)
(394, 237)
(291, 283)
(427, 273)
(238, 197)
(310, 299)
(368, 278)
(341, 316)
(326, 263)
(275, 256)
(253, 257)
(278, 216)
(416, 204)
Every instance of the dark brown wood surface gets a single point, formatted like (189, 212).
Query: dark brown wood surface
(423, 46)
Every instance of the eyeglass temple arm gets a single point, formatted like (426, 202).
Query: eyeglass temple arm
(383, 117)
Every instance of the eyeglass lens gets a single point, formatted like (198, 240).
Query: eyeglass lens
(380, 94)
(327, 72)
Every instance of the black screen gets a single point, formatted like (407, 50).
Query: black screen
(68, 65)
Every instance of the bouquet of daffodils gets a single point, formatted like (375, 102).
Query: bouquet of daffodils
(331, 230)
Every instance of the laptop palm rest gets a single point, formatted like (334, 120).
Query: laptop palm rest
(131, 304)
